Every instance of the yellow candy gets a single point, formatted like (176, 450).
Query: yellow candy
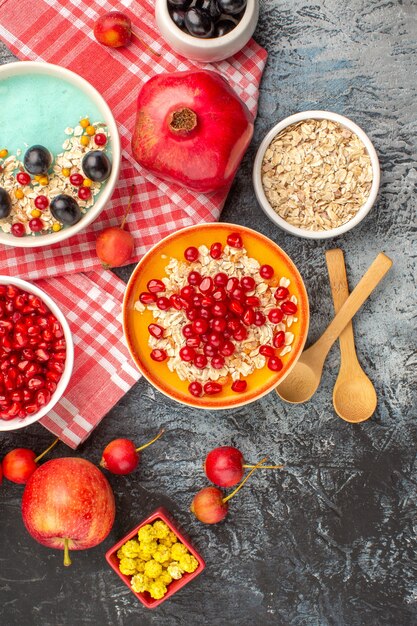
(162, 554)
(140, 565)
(44, 180)
(90, 130)
(188, 563)
(161, 529)
(87, 182)
(36, 213)
(146, 534)
(169, 540)
(140, 583)
(147, 550)
(37, 177)
(131, 548)
(157, 590)
(56, 227)
(174, 570)
(3, 153)
(177, 550)
(66, 172)
(127, 566)
(165, 577)
(85, 122)
(19, 194)
(119, 553)
(84, 140)
(153, 569)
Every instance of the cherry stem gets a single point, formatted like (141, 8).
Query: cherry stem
(266, 466)
(67, 560)
(38, 458)
(129, 204)
(145, 44)
(151, 442)
(255, 467)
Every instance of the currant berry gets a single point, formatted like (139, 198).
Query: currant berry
(17, 229)
(23, 178)
(36, 225)
(84, 193)
(100, 139)
(41, 203)
(76, 180)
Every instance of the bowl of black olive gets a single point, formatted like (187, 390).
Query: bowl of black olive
(207, 30)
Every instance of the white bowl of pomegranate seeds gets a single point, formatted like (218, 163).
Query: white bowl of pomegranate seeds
(215, 315)
(36, 353)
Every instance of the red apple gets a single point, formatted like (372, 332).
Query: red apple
(68, 504)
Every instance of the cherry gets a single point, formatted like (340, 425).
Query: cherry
(279, 339)
(224, 466)
(194, 278)
(36, 225)
(191, 254)
(281, 293)
(100, 139)
(155, 285)
(76, 179)
(155, 330)
(41, 202)
(275, 316)
(23, 178)
(158, 355)
(239, 386)
(216, 250)
(121, 456)
(289, 308)
(17, 229)
(20, 463)
(266, 271)
(114, 245)
(84, 193)
(234, 240)
(274, 364)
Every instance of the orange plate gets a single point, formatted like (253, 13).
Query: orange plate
(153, 264)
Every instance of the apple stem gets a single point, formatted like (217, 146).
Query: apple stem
(129, 204)
(67, 560)
(151, 442)
(145, 44)
(38, 458)
(266, 466)
(255, 467)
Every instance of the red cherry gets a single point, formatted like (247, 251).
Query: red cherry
(23, 178)
(289, 308)
(20, 463)
(191, 254)
(194, 278)
(121, 456)
(155, 330)
(274, 363)
(275, 316)
(158, 355)
(76, 180)
(84, 193)
(220, 279)
(281, 293)
(200, 361)
(224, 465)
(211, 388)
(100, 139)
(279, 339)
(266, 271)
(41, 202)
(216, 250)
(234, 240)
(196, 389)
(18, 230)
(155, 285)
(239, 386)
(208, 505)
(248, 283)
(187, 354)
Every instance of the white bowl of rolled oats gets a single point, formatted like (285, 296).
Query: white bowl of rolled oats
(316, 174)
(59, 154)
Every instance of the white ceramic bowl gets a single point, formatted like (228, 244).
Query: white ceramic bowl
(35, 67)
(16, 423)
(259, 190)
(207, 50)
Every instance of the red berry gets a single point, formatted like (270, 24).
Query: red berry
(41, 203)
(266, 350)
(217, 362)
(155, 330)
(200, 326)
(23, 178)
(212, 388)
(163, 303)
(187, 353)
(279, 339)
(266, 271)
(200, 361)
(206, 285)
(17, 229)
(84, 193)
(191, 253)
(216, 250)
(289, 308)
(155, 285)
(275, 316)
(36, 225)
(194, 278)
(260, 318)
(235, 240)
(76, 180)
(274, 364)
(158, 355)
(195, 389)
(281, 293)
(239, 386)
(147, 298)
(220, 279)
(248, 283)
(100, 139)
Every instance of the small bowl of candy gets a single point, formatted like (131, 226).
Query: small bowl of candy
(155, 559)
(59, 154)
(207, 30)
(36, 353)
(215, 315)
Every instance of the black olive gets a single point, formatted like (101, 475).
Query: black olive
(65, 209)
(231, 7)
(224, 26)
(177, 17)
(210, 6)
(179, 4)
(5, 203)
(199, 23)
(96, 165)
(37, 160)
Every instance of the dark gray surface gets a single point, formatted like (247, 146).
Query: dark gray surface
(329, 541)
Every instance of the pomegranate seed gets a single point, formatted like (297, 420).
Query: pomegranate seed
(187, 353)
(36, 225)
(266, 350)
(204, 337)
(155, 330)
(217, 362)
(55, 376)
(215, 339)
(233, 324)
(281, 293)
(274, 364)
(188, 331)
(206, 285)
(200, 326)
(193, 342)
(27, 395)
(220, 279)
(200, 361)
(235, 240)
(23, 178)
(100, 139)
(240, 334)
(219, 309)
(248, 283)
(51, 386)
(218, 324)
(31, 408)
(59, 356)
(56, 367)
(232, 284)
(33, 330)
(289, 308)
(279, 339)
(236, 307)
(194, 278)
(175, 301)
(219, 294)
(17, 229)
(192, 314)
(186, 304)
(76, 180)
(163, 303)
(248, 317)
(42, 355)
(216, 250)
(158, 355)
(266, 271)
(16, 396)
(146, 298)
(212, 388)
(210, 350)
(252, 301)
(36, 382)
(197, 300)
(275, 316)
(191, 254)
(207, 301)
(227, 349)
(206, 313)
(238, 294)
(195, 389)
(42, 397)
(155, 285)
(41, 203)
(239, 386)
(187, 292)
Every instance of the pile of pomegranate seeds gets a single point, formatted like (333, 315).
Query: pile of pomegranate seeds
(219, 315)
(32, 353)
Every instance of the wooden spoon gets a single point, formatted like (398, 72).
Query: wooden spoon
(303, 380)
(354, 396)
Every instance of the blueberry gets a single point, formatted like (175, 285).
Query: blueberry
(224, 26)
(65, 209)
(96, 165)
(5, 203)
(177, 17)
(179, 4)
(210, 6)
(37, 160)
(199, 23)
(231, 7)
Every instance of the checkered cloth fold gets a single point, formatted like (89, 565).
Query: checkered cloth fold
(62, 33)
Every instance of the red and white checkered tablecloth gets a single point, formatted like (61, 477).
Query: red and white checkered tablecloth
(61, 32)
